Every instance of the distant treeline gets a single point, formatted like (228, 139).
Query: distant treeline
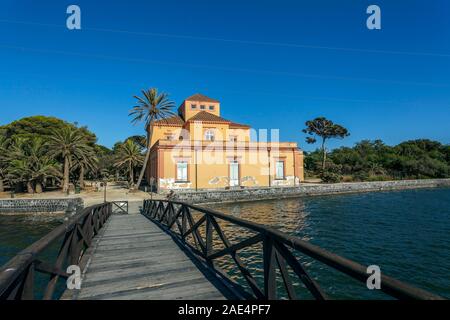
(374, 160)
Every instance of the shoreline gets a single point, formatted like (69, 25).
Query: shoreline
(212, 196)
(304, 190)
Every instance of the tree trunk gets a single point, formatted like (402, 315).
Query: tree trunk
(131, 175)
(81, 179)
(66, 175)
(39, 187)
(324, 153)
(30, 187)
(2, 186)
(147, 156)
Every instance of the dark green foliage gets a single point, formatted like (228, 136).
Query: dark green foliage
(373, 160)
(330, 177)
(332, 173)
(313, 162)
(36, 151)
(141, 141)
(29, 155)
(42, 127)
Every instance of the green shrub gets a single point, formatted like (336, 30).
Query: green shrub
(361, 176)
(379, 178)
(330, 177)
(347, 178)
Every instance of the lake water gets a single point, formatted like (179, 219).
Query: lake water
(19, 231)
(406, 233)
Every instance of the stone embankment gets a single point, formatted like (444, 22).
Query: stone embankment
(250, 194)
(40, 205)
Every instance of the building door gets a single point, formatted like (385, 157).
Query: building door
(279, 170)
(234, 174)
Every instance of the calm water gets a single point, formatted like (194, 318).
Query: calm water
(406, 233)
(19, 231)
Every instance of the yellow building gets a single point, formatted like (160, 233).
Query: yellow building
(198, 149)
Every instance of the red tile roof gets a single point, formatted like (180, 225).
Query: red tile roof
(200, 116)
(174, 120)
(200, 97)
(206, 116)
(238, 125)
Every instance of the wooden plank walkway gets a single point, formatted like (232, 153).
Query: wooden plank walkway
(135, 260)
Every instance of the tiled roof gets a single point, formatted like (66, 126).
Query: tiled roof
(200, 116)
(238, 125)
(206, 116)
(174, 120)
(200, 97)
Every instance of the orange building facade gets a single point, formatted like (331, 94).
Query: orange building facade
(198, 149)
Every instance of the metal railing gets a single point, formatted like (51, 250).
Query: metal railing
(278, 250)
(18, 276)
(119, 207)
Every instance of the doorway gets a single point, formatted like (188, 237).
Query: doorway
(234, 174)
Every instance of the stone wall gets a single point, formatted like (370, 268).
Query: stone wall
(40, 205)
(250, 194)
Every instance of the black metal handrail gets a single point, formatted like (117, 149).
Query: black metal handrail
(278, 251)
(17, 277)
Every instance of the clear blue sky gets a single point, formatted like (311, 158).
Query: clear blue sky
(272, 64)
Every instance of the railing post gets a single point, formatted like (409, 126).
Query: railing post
(184, 221)
(28, 284)
(270, 287)
(209, 237)
(73, 247)
(153, 209)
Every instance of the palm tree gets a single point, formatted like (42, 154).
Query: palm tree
(151, 107)
(2, 178)
(87, 163)
(376, 169)
(69, 144)
(23, 154)
(45, 168)
(3, 162)
(141, 141)
(128, 158)
(29, 163)
(19, 170)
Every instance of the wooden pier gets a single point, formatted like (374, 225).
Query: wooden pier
(134, 259)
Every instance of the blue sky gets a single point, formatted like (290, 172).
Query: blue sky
(272, 64)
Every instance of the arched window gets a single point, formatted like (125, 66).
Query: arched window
(209, 135)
